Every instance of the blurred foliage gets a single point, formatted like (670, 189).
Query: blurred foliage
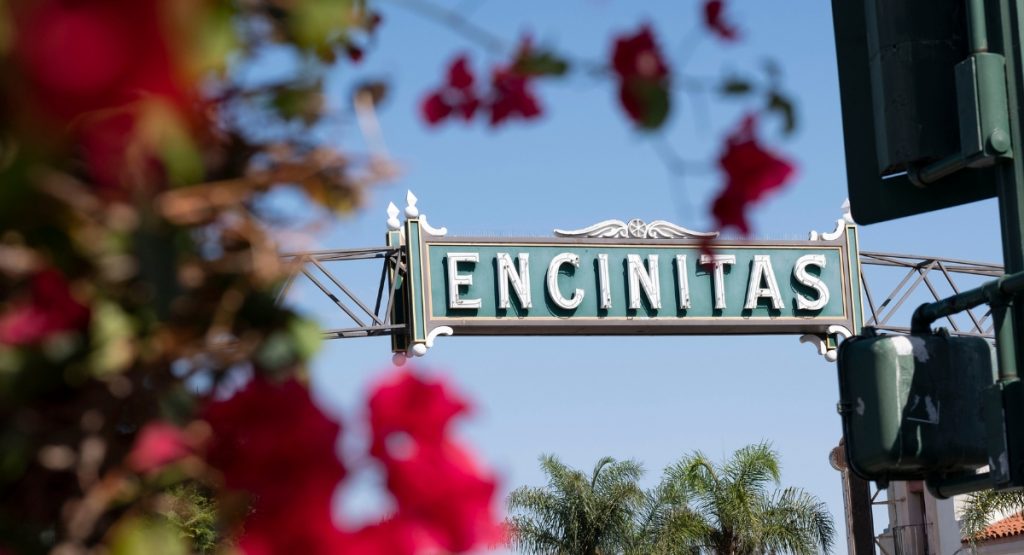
(138, 272)
(133, 257)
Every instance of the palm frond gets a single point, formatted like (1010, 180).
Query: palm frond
(981, 507)
(797, 522)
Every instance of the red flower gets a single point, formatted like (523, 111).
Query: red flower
(299, 524)
(86, 63)
(406, 407)
(393, 536)
(716, 23)
(271, 440)
(643, 78)
(158, 444)
(511, 96)
(50, 309)
(441, 487)
(434, 481)
(456, 96)
(751, 172)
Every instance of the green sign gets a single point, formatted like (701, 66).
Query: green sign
(625, 279)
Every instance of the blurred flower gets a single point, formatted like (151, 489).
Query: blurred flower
(407, 406)
(643, 78)
(456, 96)
(716, 23)
(272, 441)
(270, 438)
(511, 96)
(158, 444)
(393, 536)
(300, 523)
(434, 481)
(49, 310)
(93, 69)
(442, 487)
(751, 172)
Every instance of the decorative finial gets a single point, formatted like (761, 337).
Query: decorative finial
(393, 223)
(399, 359)
(410, 208)
(846, 211)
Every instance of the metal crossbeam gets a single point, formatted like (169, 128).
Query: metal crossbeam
(919, 271)
(320, 269)
(365, 322)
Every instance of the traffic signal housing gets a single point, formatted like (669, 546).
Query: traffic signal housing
(913, 407)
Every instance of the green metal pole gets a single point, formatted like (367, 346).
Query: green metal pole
(1011, 208)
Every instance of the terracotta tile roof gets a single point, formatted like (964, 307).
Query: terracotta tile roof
(1005, 528)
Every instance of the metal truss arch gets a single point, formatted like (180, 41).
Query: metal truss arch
(929, 278)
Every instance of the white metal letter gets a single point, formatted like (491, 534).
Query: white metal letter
(803, 277)
(718, 262)
(552, 281)
(520, 279)
(682, 282)
(761, 270)
(643, 277)
(455, 280)
(603, 286)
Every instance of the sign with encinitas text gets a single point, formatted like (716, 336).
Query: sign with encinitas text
(625, 278)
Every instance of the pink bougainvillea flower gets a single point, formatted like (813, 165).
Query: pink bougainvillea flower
(157, 445)
(86, 63)
(434, 481)
(511, 97)
(301, 523)
(395, 535)
(407, 406)
(270, 439)
(443, 488)
(49, 310)
(643, 78)
(715, 20)
(751, 173)
(456, 97)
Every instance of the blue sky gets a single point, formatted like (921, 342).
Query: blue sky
(653, 399)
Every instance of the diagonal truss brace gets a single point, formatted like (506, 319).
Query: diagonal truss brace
(921, 270)
(318, 267)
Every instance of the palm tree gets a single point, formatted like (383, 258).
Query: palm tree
(738, 513)
(698, 507)
(576, 513)
(982, 506)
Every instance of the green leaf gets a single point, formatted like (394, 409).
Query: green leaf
(785, 108)
(303, 102)
(146, 535)
(276, 352)
(735, 86)
(306, 337)
(654, 102)
(316, 23)
(541, 63)
(112, 339)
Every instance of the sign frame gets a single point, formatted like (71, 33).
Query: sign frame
(423, 326)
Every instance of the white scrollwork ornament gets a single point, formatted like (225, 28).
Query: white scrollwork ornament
(636, 229)
(420, 349)
(820, 342)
